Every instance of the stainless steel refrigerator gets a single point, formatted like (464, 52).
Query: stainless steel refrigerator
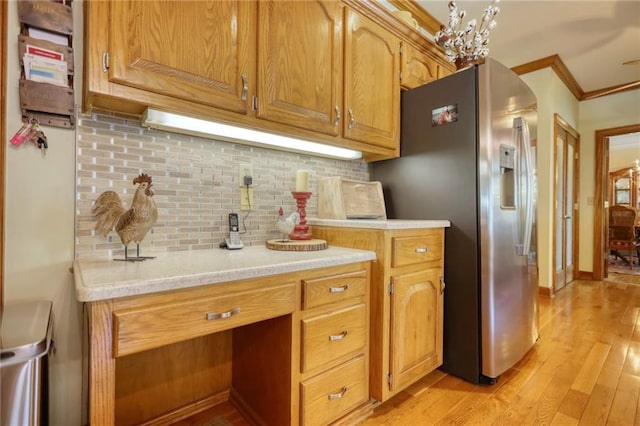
(468, 155)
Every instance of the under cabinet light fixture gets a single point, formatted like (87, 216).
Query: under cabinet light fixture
(167, 121)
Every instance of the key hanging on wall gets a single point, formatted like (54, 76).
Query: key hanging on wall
(25, 133)
(30, 132)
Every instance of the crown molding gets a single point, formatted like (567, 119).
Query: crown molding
(555, 63)
(611, 90)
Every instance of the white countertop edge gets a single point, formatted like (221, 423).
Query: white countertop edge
(380, 224)
(136, 278)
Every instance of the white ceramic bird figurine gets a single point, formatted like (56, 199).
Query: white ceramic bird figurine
(286, 224)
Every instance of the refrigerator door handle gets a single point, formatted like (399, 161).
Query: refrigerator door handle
(524, 142)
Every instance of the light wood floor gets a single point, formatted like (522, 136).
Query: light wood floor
(585, 369)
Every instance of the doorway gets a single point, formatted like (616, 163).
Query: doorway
(600, 252)
(566, 170)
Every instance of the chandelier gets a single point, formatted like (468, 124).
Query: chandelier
(466, 45)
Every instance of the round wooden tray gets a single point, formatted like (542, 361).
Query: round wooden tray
(297, 245)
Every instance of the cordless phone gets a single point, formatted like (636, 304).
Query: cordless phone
(234, 242)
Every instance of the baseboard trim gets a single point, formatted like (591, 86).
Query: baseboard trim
(545, 292)
(585, 275)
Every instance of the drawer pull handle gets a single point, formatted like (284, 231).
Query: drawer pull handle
(338, 336)
(338, 395)
(339, 289)
(337, 120)
(222, 315)
(421, 250)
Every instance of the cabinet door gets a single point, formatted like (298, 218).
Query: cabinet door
(416, 326)
(201, 51)
(372, 83)
(300, 63)
(416, 68)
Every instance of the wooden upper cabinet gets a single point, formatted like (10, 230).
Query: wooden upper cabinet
(300, 63)
(200, 51)
(417, 68)
(372, 83)
(324, 70)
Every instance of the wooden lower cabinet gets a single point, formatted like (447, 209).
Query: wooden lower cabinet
(282, 350)
(407, 295)
(334, 352)
(415, 335)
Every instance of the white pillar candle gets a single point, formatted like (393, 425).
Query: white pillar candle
(302, 181)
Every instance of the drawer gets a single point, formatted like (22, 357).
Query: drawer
(416, 249)
(325, 290)
(331, 395)
(139, 329)
(328, 337)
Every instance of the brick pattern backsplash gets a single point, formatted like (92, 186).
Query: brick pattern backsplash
(195, 182)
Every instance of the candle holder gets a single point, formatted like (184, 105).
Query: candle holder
(301, 230)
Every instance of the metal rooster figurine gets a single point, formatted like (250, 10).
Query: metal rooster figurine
(132, 224)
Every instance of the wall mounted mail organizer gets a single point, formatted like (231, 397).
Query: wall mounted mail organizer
(46, 58)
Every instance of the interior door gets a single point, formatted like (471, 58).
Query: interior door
(566, 205)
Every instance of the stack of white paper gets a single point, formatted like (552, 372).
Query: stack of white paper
(45, 66)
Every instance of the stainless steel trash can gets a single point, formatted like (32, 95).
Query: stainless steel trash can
(25, 340)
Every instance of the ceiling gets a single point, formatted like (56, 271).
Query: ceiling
(592, 38)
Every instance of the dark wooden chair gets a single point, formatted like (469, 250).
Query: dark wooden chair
(622, 232)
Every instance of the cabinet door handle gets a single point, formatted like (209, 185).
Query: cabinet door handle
(442, 285)
(352, 119)
(339, 289)
(337, 120)
(338, 336)
(222, 315)
(339, 394)
(245, 87)
(422, 250)
(105, 61)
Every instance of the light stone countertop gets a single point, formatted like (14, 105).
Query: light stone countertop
(103, 278)
(380, 224)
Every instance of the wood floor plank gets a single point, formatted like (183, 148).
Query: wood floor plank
(563, 420)
(625, 401)
(597, 409)
(573, 404)
(632, 362)
(586, 379)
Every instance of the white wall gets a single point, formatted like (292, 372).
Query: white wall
(553, 97)
(39, 227)
(607, 112)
